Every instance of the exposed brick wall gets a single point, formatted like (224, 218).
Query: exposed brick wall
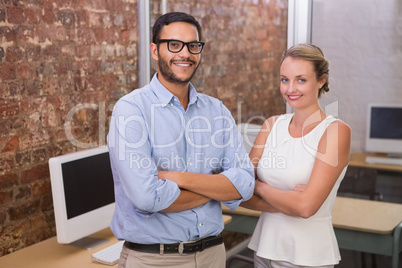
(55, 55)
(58, 57)
(240, 62)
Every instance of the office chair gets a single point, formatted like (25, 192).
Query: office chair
(361, 183)
(238, 257)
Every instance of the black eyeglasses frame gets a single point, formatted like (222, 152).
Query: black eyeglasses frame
(183, 44)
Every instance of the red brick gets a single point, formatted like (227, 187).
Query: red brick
(8, 180)
(47, 205)
(23, 192)
(63, 4)
(58, 33)
(3, 217)
(6, 196)
(96, 19)
(20, 211)
(83, 51)
(66, 85)
(2, 15)
(128, 35)
(33, 88)
(111, 35)
(9, 33)
(40, 188)
(114, 5)
(33, 53)
(34, 139)
(6, 162)
(82, 18)
(24, 32)
(7, 72)
(91, 4)
(36, 173)
(8, 108)
(51, 52)
(11, 145)
(25, 71)
(51, 86)
(11, 89)
(67, 18)
(15, 15)
(86, 67)
(39, 156)
(85, 36)
(23, 159)
(33, 16)
(109, 80)
(14, 54)
(68, 50)
(48, 16)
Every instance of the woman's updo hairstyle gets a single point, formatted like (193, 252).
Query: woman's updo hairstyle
(315, 55)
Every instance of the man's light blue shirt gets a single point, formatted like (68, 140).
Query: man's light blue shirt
(151, 131)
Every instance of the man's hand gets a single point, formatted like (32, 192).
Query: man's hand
(174, 176)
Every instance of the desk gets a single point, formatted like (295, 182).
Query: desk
(362, 225)
(359, 160)
(50, 254)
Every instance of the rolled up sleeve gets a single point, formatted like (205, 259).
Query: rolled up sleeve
(134, 169)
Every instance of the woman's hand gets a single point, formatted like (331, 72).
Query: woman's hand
(300, 188)
(259, 187)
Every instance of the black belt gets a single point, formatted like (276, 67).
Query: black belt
(181, 248)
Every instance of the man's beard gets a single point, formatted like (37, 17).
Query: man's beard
(168, 74)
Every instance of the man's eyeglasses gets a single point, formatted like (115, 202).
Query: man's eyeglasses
(175, 46)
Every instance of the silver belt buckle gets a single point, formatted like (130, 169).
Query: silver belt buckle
(181, 246)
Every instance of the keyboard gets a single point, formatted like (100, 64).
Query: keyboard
(384, 160)
(109, 255)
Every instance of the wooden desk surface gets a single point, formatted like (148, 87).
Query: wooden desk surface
(366, 215)
(358, 160)
(50, 254)
(226, 219)
(354, 214)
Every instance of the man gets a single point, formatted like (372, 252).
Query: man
(175, 155)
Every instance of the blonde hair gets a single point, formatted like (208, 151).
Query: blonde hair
(313, 54)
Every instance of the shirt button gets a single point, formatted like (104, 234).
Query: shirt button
(188, 139)
(171, 104)
(190, 164)
(200, 224)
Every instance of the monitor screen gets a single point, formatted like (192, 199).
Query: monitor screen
(386, 123)
(87, 184)
(384, 128)
(83, 193)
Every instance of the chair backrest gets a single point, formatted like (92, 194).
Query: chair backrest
(359, 182)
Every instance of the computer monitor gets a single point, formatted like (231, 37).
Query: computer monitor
(384, 129)
(83, 195)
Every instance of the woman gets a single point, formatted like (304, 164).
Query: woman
(300, 160)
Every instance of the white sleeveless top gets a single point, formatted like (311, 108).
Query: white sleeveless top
(285, 163)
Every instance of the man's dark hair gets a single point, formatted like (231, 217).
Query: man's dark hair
(171, 17)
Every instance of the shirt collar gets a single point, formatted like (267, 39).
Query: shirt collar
(165, 96)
